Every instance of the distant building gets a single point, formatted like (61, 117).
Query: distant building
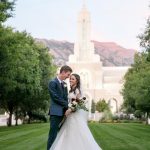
(4, 119)
(98, 82)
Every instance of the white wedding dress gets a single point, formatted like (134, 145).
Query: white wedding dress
(75, 134)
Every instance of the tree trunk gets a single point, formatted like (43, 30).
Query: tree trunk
(16, 118)
(29, 120)
(16, 124)
(9, 121)
(147, 116)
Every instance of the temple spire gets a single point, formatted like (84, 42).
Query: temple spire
(84, 4)
(83, 47)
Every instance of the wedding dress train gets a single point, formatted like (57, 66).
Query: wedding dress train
(75, 134)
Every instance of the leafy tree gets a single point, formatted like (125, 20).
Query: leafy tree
(6, 8)
(145, 37)
(25, 68)
(136, 90)
(101, 105)
(39, 102)
(2, 111)
(48, 70)
(93, 107)
(138, 114)
(19, 69)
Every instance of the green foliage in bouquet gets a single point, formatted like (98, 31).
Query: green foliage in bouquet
(77, 104)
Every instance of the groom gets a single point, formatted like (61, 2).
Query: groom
(59, 102)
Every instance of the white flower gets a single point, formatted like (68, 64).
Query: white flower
(74, 103)
(78, 104)
(69, 105)
(65, 85)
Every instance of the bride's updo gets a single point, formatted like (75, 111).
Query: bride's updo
(78, 83)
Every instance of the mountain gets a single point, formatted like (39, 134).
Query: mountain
(110, 53)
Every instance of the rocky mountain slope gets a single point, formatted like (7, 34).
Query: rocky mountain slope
(110, 53)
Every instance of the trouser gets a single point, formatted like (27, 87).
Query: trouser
(54, 127)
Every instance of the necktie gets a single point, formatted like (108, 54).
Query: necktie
(62, 85)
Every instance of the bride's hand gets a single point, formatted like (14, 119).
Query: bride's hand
(68, 111)
(76, 100)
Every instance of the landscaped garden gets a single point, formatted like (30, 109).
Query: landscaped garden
(110, 136)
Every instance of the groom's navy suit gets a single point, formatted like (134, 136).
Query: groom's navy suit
(58, 106)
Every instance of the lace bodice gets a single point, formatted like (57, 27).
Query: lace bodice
(73, 95)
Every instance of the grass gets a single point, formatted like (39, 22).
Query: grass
(24, 137)
(108, 136)
(125, 136)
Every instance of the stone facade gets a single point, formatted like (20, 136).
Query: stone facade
(98, 82)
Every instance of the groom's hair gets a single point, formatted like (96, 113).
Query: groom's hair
(65, 69)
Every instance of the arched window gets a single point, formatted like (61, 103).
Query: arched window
(113, 104)
(85, 79)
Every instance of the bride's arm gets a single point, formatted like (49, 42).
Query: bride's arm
(78, 94)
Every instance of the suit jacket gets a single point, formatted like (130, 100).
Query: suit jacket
(58, 98)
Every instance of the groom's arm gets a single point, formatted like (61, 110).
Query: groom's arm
(55, 95)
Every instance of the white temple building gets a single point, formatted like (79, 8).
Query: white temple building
(98, 82)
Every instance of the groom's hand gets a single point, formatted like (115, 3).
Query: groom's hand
(68, 111)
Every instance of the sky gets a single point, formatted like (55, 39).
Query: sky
(119, 21)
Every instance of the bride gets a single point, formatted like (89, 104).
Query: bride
(74, 133)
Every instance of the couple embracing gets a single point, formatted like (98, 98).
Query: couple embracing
(74, 134)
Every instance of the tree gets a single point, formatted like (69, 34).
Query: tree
(93, 107)
(6, 8)
(25, 68)
(101, 105)
(39, 102)
(136, 89)
(145, 37)
(48, 70)
(138, 114)
(19, 69)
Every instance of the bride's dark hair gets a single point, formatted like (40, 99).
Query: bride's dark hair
(78, 83)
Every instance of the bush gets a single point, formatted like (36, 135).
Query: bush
(107, 117)
(122, 118)
(38, 117)
(115, 117)
(138, 114)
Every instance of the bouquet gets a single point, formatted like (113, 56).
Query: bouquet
(77, 104)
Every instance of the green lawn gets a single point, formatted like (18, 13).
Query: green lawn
(122, 136)
(108, 136)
